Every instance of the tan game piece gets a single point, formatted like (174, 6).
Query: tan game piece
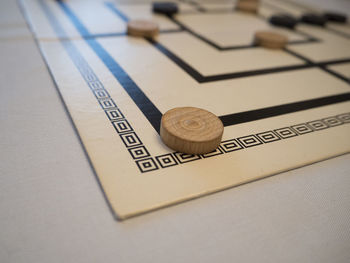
(249, 6)
(270, 39)
(142, 28)
(191, 130)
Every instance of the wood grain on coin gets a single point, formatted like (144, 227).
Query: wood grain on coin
(143, 28)
(270, 39)
(191, 130)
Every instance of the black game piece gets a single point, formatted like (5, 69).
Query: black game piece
(314, 19)
(336, 17)
(166, 8)
(283, 20)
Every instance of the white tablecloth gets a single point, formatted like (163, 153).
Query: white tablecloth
(52, 209)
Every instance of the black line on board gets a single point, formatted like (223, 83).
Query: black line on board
(146, 106)
(187, 29)
(193, 72)
(196, 75)
(253, 115)
(204, 79)
(308, 61)
(91, 78)
(117, 11)
(198, 7)
(123, 34)
(333, 62)
(335, 74)
(184, 28)
(252, 73)
(178, 61)
(294, 30)
(307, 41)
(310, 39)
(154, 115)
(336, 32)
(166, 31)
(322, 66)
(117, 34)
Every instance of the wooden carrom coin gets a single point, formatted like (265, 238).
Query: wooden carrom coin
(270, 39)
(191, 130)
(143, 28)
(248, 6)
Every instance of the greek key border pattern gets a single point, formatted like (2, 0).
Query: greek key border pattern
(147, 163)
(138, 151)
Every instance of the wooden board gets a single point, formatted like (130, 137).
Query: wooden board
(281, 109)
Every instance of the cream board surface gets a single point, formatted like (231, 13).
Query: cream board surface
(281, 109)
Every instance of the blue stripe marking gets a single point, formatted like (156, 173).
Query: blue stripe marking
(150, 111)
(115, 10)
(74, 19)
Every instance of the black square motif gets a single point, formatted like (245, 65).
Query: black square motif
(230, 146)
(302, 128)
(317, 125)
(88, 74)
(332, 121)
(139, 152)
(285, 133)
(344, 117)
(114, 114)
(217, 151)
(106, 104)
(101, 94)
(185, 158)
(166, 160)
(130, 139)
(122, 126)
(249, 141)
(95, 85)
(147, 165)
(268, 136)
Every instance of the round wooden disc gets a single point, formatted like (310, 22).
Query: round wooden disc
(248, 6)
(191, 130)
(270, 39)
(142, 28)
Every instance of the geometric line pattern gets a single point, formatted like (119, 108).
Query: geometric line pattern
(302, 128)
(258, 139)
(185, 158)
(317, 125)
(249, 141)
(268, 136)
(285, 132)
(231, 145)
(166, 160)
(138, 151)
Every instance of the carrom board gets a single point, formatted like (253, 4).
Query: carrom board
(281, 109)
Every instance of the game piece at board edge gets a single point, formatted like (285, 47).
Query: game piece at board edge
(191, 130)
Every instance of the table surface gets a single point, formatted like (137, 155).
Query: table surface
(53, 210)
